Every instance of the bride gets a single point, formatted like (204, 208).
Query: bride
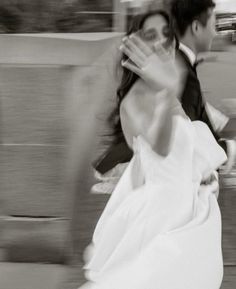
(161, 228)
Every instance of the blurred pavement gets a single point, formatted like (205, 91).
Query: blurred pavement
(31, 276)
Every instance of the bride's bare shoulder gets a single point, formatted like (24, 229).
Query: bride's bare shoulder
(140, 97)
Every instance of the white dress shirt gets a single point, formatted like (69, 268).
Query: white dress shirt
(188, 52)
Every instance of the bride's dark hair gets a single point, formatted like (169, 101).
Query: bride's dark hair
(128, 78)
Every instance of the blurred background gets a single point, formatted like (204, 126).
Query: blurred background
(76, 16)
(58, 77)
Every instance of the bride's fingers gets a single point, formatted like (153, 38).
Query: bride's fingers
(136, 59)
(127, 64)
(129, 43)
(141, 45)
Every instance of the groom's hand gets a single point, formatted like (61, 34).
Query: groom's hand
(213, 182)
(212, 178)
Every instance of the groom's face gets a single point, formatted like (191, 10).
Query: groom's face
(206, 33)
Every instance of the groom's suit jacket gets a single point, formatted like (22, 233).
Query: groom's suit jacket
(192, 99)
(193, 104)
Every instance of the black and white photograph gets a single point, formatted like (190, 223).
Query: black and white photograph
(117, 144)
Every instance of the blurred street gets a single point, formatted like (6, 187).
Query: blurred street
(31, 276)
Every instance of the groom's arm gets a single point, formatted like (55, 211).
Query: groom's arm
(195, 109)
(219, 121)
(228, 145)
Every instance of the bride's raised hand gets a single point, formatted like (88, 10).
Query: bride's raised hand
(154, 65)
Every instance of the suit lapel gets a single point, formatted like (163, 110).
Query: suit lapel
(203, 116)
(184, 58)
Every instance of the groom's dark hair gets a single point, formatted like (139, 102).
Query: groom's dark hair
(184, 12)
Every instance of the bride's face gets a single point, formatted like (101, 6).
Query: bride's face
(156, 30)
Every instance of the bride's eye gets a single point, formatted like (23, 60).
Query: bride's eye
(150, 35)
(166, 31)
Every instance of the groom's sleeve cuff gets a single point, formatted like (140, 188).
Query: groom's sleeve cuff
(231, 154)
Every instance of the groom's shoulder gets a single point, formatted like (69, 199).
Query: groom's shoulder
(187, 68)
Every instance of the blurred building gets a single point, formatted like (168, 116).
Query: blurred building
(34, 16)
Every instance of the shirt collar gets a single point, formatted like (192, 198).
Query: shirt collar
(188, 52)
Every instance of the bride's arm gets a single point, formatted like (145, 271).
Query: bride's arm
(153, 123)
(160, 73)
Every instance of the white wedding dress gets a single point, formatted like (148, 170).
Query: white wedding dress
(160, 228)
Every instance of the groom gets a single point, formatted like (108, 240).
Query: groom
(194, 22)
(195, 27)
